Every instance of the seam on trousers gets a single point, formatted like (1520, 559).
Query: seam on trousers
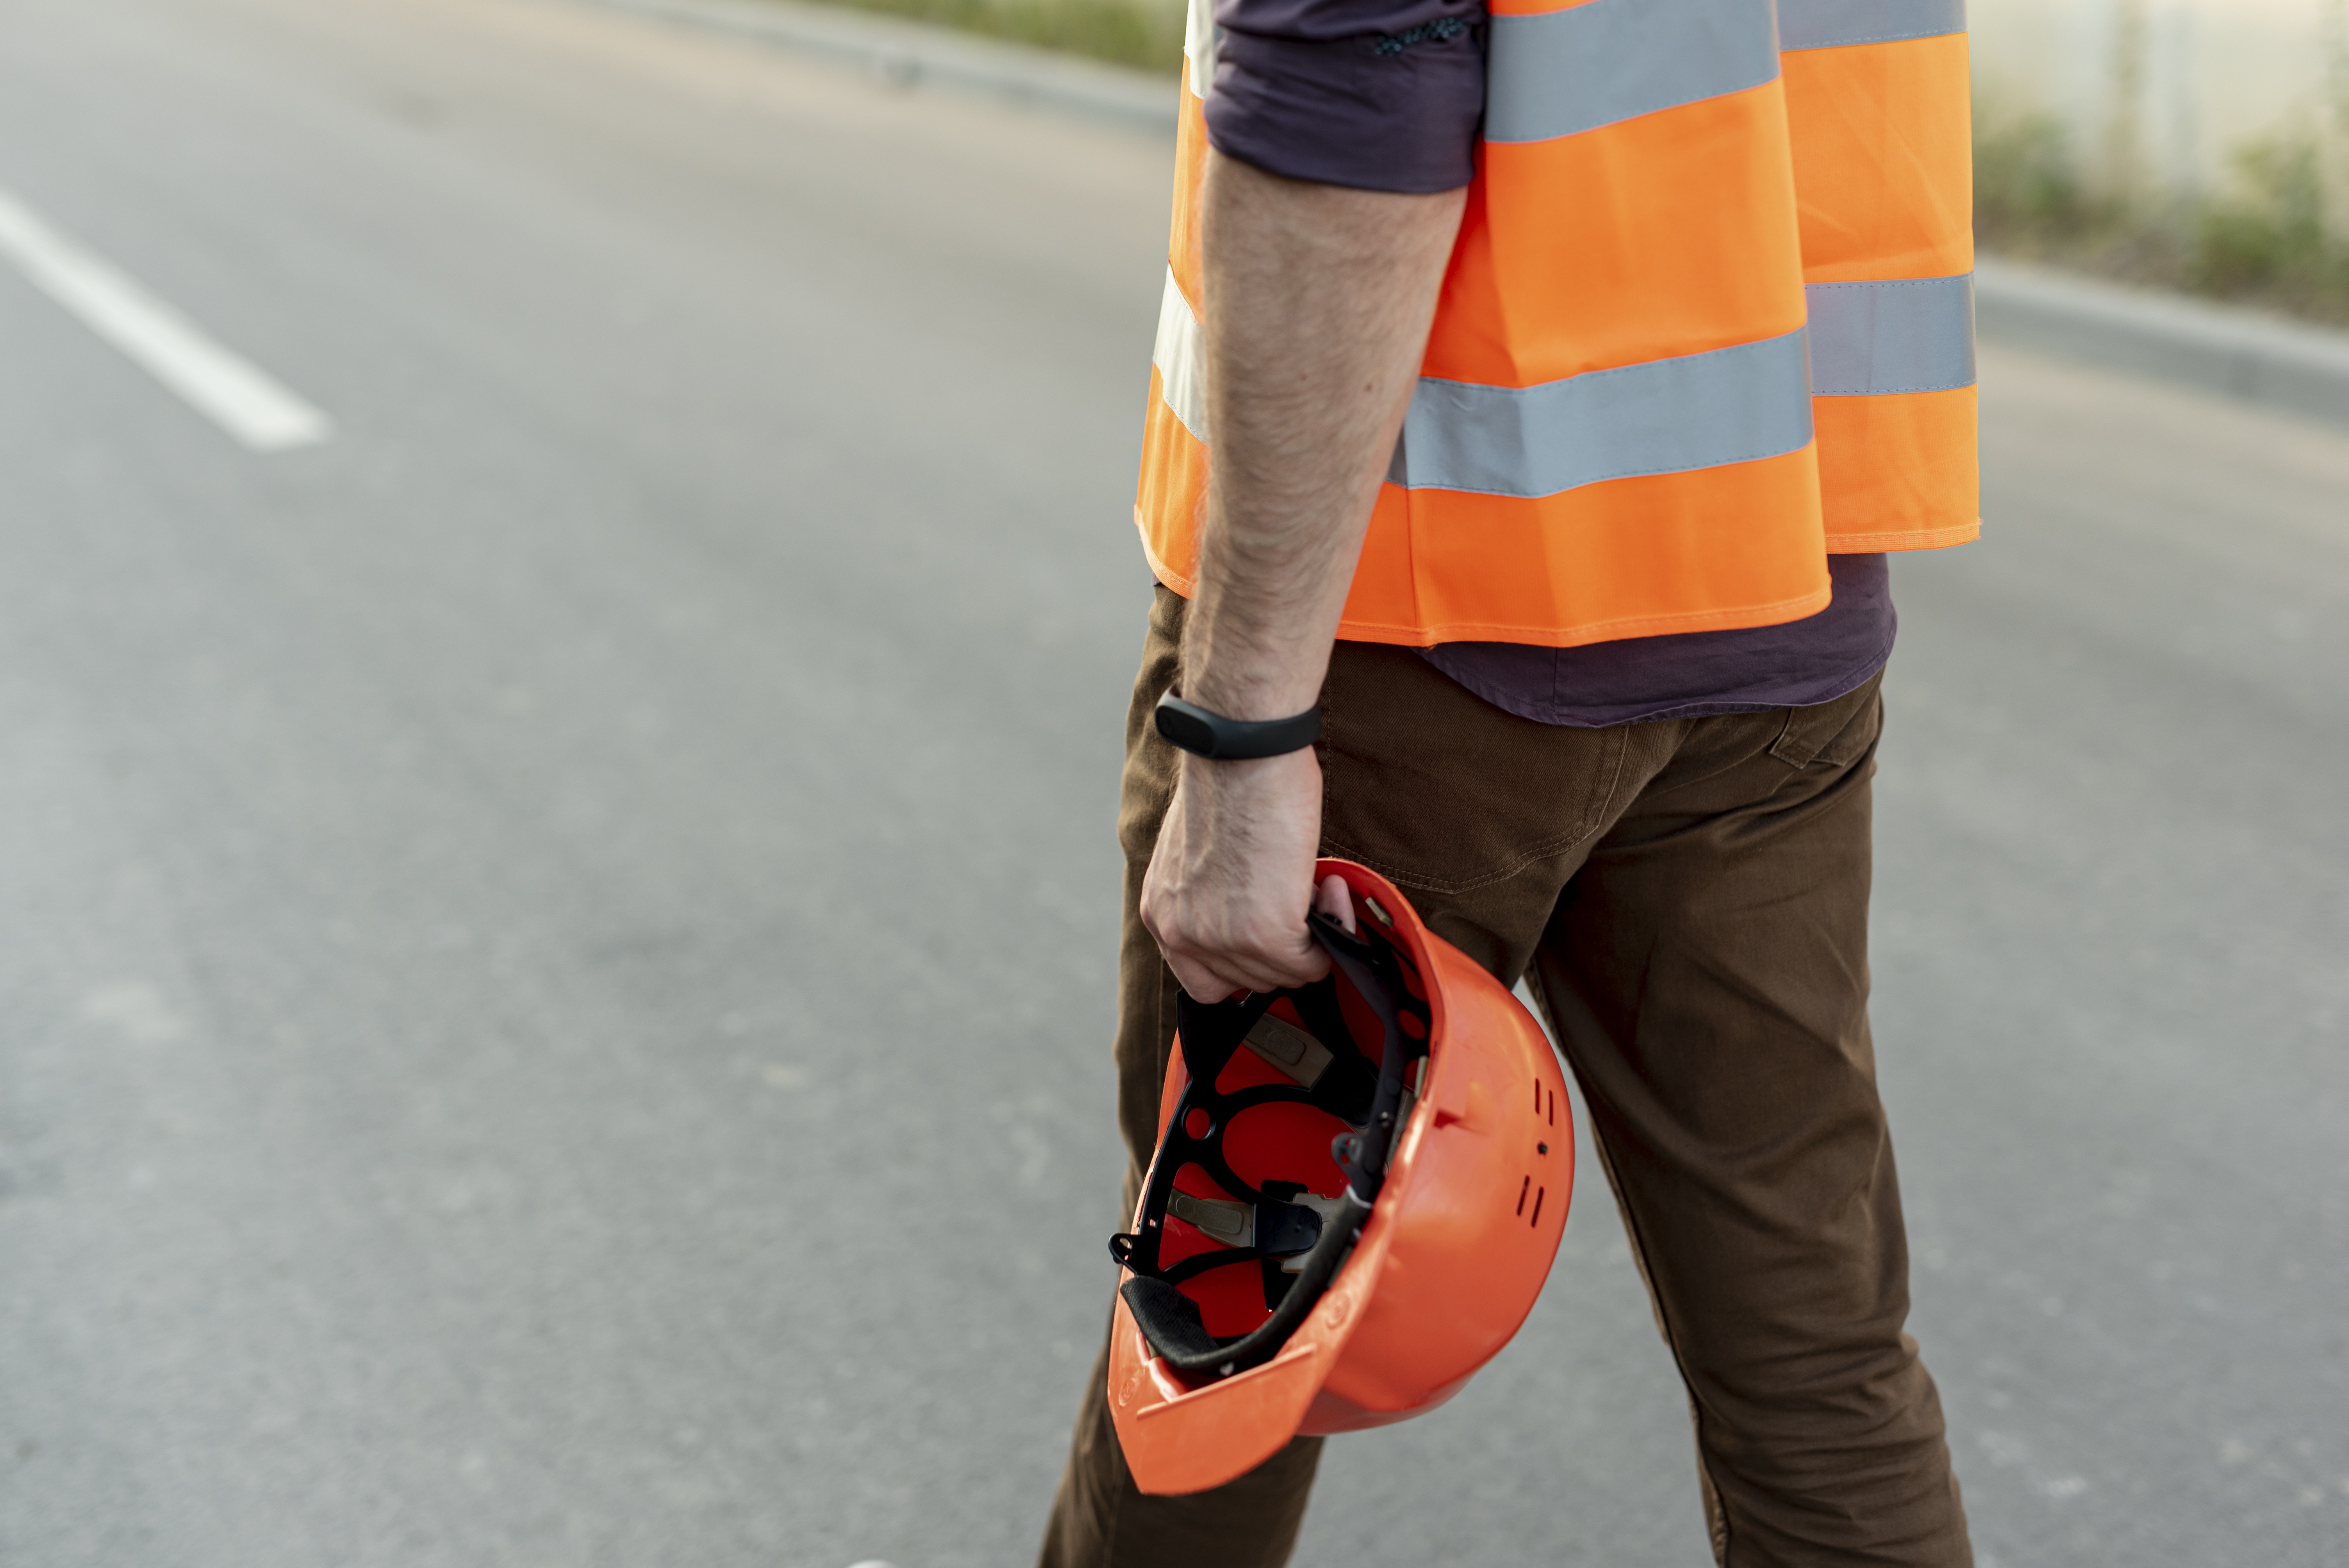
(1594, 820)
(1606, 808)
(1802, 723)
(1717, 1520)
(1405, 876)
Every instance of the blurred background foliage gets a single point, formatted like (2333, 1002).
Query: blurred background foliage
(2274, 231)
(1144, 33)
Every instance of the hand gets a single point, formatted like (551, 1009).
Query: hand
(1232, 877)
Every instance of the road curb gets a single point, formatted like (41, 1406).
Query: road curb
(2245, 354)
(910, 54)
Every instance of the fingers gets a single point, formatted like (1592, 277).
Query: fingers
(1231, 880)
(1200, 983)
(1213, 972)
(1336, 900)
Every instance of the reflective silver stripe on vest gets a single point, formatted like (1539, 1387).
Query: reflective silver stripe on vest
(1913, 334)
(1699, 411)
(1181, 356)
(1564, 72)
(1838, 24)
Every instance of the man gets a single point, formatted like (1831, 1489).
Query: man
(1567, 373)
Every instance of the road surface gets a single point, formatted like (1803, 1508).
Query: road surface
(555, 944)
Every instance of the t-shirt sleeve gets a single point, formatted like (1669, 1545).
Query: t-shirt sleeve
(1379, 94)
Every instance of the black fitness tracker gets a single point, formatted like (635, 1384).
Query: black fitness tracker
(1205, 734)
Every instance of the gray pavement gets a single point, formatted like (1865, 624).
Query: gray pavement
(555, 948)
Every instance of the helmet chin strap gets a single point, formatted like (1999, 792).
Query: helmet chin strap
(1297, 1238)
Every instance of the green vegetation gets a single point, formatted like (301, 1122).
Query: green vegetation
(1146, 33)
(2282, 234)
(2276, 233)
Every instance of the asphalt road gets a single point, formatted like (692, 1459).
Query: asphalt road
(555, 948)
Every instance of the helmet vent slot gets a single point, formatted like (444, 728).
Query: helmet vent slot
(1538, 1195)
(1522, 1190)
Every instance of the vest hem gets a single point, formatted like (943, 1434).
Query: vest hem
(1909, 539)
(1181, 583)
(1750, 616)
(1351, 630)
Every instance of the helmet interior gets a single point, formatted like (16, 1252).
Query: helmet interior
(1275, 1153)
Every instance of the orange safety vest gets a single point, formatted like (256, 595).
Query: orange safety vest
(1877, 93)
(1613, 432)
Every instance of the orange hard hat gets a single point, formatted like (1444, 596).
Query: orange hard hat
(1359, 1189)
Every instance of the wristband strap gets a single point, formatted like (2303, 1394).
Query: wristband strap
(1205, 734)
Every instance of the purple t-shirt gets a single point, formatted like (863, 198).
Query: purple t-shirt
(1388, 95)
(1689, 674)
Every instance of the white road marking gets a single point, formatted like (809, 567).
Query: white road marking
(237, 395)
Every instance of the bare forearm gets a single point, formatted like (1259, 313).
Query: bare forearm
(1318, 301)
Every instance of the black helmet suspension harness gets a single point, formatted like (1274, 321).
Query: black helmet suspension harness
(1297, 1238)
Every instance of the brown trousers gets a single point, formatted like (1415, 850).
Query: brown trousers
(1688, 902)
